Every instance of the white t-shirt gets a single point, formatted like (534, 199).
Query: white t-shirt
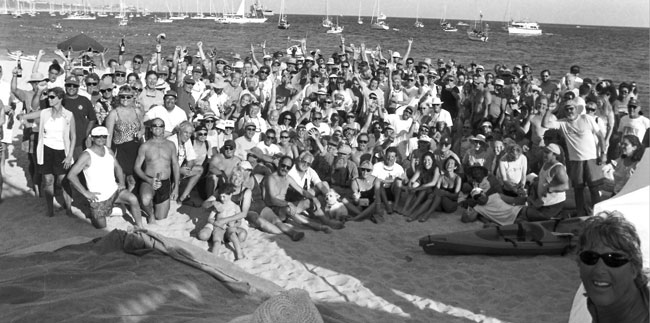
(243, 146)
(579, 137)
(636, 126)
(171, 119)
(388, 174)
(513, 171)
(271, 150)
(310, 177)
(184, 153)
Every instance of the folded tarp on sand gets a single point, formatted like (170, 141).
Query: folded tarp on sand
(129, 277)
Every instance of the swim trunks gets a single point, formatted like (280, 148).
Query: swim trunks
(104, 208)
(162, 194)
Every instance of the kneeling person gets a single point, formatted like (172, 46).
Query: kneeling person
(102, 173)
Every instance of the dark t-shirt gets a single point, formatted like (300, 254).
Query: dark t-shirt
(83, 113)
(449, 101)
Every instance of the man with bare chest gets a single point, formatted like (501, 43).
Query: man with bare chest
(159, 158)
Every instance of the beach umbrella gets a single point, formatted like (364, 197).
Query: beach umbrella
(81, 42)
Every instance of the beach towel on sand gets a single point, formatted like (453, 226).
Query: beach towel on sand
(130, 277)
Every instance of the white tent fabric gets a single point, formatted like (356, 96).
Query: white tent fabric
(634, 202)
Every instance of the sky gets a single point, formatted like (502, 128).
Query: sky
(631, 13)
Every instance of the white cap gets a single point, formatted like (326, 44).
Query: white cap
(99, 131)
(397, 55)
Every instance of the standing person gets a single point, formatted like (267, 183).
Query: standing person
(83, 112)
(633, 123)
(57, 137)
(548, 191)
(105, 188)
(584, 155)
(150, 96)
(125, 133)
(610, 262)
(171, 114)
(158, 156)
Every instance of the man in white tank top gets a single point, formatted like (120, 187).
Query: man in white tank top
(549, 189)
(104, 188)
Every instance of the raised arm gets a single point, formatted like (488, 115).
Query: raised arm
(408, 50)
(37, 62)
(255, 61)
(547, 122)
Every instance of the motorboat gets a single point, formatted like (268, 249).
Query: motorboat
(524, 28)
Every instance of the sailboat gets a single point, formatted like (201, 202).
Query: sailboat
(282, 20)
(378, 22)
(159, 20)
(359, 20)
(418, 23)
(336, 29)
(446, 26)
(478, 33)
(76, 15)
(327, 22)
(240, 17)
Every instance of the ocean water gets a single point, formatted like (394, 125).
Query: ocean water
(617, 53)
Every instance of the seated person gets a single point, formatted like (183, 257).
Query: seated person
(222, 223)
(221, 165)
(366, 194)
(485, 201)
(391, 174)
(548, 190)
(631, 153)
(420, 185)
(445, 194)
(512, 172)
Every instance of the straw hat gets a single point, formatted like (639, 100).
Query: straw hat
(292, 306)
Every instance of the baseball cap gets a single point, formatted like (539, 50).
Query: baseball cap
(37, 77)
(554, 148)
(171, 93)
(445, 140)
(188, 80)
(397, 55)
(244, 164)
(71, 80)
(99, 131)
(633, 102)
(105, 85)
(345, 149)
(499, 82)
(366, 164)
(249, 124)
(230, 143)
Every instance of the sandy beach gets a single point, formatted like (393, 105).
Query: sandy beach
(366, 272)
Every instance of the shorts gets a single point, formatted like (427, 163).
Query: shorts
(104, 208)
(584, 172)
(389, 193)
(125, 153)
(163, 193)
(53, 161)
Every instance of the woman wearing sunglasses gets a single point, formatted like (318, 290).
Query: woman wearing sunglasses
(610, 263)
(125, 132)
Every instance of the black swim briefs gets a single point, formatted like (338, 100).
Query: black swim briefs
(162, 194)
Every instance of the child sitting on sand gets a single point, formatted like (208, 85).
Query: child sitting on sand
(222, 223)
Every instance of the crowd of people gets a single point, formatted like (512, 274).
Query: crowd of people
(305, 139)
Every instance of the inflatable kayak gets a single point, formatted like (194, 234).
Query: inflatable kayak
(526, 238)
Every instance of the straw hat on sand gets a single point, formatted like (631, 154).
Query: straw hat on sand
(292, 306)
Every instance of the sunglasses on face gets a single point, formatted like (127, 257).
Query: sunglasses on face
(365, 170)
(250, 129)
(120, 74)
(122, 97)
(101, 136)
(157, 126)
(226, 148)
(285, 166)
(72, 85)
(202, 133)
(52, 97)
(611, 259)
(105, 91)
(284, 137)
(91, 84)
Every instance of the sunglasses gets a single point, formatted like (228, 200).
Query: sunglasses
(228, 148)
(202, 133)
(611, 259)
(284, 137)
(72, 85)
(362, 141)
(105, 91)
(328, 101)
(101, 136)
(52, 97)
(126, 97)
(285, 166)
(250, 129)
(157, 126)
(91, 84)
(365, 169)
(120, 74)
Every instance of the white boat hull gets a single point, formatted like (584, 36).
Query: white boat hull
(523, 31)
(379, 27)
(239, 20)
